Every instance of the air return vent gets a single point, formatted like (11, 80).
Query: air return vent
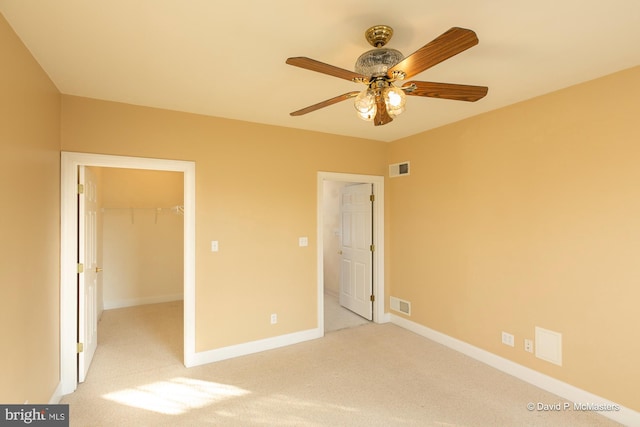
(398, 169)
(400, 305)
(549, 345)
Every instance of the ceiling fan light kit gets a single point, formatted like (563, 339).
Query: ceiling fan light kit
(376, 64)
(379, 68)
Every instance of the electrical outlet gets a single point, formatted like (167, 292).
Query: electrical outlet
(507, 339)
(528, 345)
(274, 319)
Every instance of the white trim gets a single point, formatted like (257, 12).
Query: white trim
(625, 415)
(56, 397)
(132, 302)
(68, 235)
(379, 316)
(216, 355)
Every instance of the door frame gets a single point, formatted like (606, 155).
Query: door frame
(379, 315)
(68, 250)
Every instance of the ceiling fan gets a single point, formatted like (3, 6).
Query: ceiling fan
(381, 67)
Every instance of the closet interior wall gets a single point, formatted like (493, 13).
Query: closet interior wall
(142, 213)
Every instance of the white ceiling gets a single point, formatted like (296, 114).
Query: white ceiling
(227, 58)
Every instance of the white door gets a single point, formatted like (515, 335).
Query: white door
(88, 278)
(356, 277)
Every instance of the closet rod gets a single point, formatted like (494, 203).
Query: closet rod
(178, 208)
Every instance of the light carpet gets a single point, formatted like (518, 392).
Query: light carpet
(370, 375)
(337, 317)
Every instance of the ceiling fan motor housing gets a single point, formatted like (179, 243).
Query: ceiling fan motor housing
(376, 62)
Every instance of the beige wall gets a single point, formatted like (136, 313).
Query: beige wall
(143, 236)
(530, 216)
(256, 194)
(30, 230)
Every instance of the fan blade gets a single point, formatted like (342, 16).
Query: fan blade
(448, 44)
(447, 91)
(326, 103)
(321, 67)
(382, 115)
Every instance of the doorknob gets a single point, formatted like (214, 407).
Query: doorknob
(98, 269)
(339, 252)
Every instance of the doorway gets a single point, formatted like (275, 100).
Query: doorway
(377, 184)
(70, 163)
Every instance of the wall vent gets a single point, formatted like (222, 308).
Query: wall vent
(400, 305)
(549, 345)
(398, 169)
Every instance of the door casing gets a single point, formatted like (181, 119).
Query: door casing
(379, 315)
(68, 251)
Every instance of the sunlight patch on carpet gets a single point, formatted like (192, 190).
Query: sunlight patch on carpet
(175, 396)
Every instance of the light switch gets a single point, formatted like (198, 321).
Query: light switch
(214, 246)
(303, 241)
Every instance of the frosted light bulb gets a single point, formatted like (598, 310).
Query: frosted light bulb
(395, 100)
(365, 105)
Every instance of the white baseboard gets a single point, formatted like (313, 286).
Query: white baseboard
(56, 397)
(219, 354)
(109, 305)
(384, 318)
(331, 292)
(625, 416)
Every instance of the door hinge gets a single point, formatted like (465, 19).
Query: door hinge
(80, 268)
(80, 189)
(372, 248)
(373, 298)
(372, 198)
(80, 348)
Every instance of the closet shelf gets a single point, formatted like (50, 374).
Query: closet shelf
(178, 209)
